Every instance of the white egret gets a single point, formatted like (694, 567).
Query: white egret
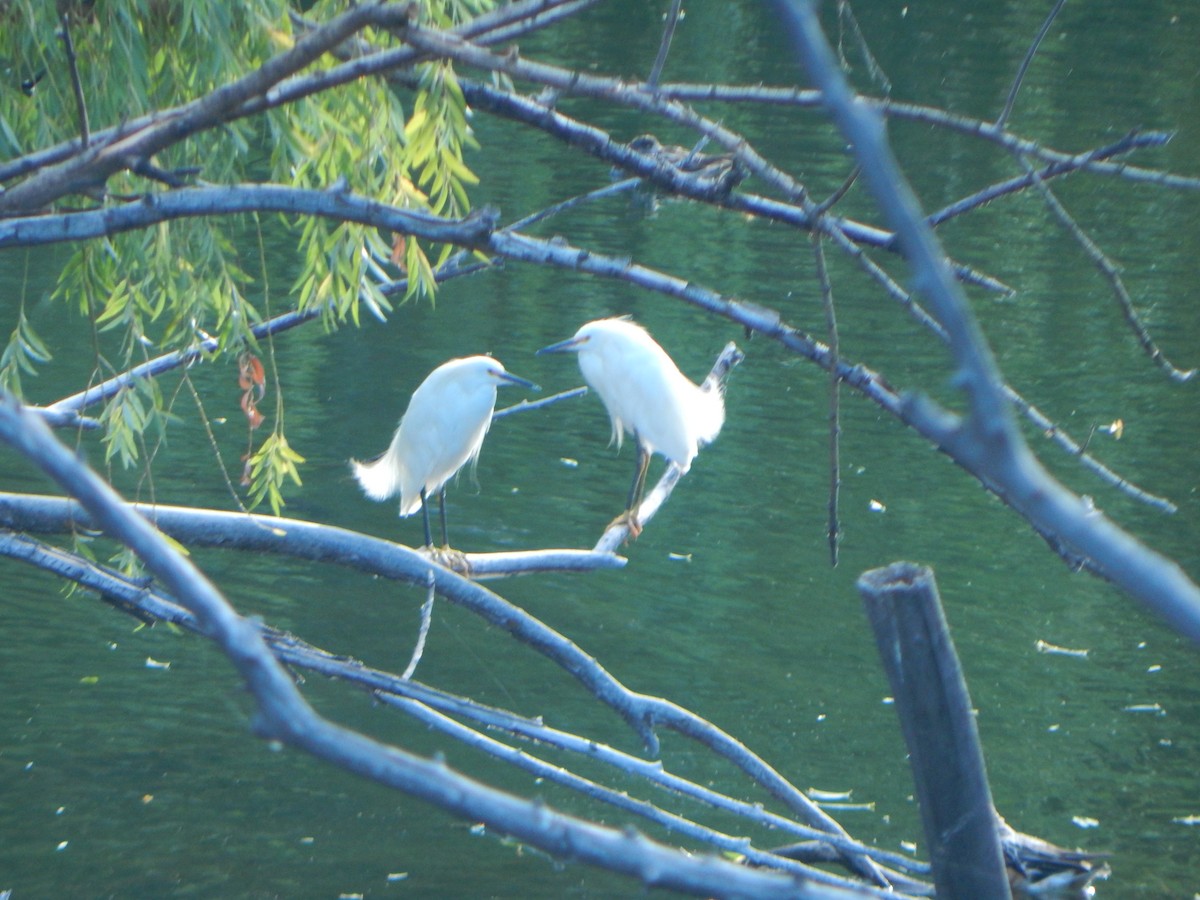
(646, 395)
(441, 431)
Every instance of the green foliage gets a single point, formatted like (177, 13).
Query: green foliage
(24, 352)
(273, 464)
(133, 57)
(435, 136)
(173, 284)
(126, 418)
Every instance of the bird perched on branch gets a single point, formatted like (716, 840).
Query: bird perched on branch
(720, 172)
(441, 431)
(1044, 871)
(646, 395)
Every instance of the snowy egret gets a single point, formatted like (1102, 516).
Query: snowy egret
(646, 395)
(441, 431)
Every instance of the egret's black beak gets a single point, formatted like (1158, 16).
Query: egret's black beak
(517, 379)
(570, 345)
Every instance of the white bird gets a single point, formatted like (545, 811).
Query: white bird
(646, 395)
(441, 431)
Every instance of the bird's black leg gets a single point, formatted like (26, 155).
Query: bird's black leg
(425, 518)
(442, 509)
(639, 479)
(628, 519)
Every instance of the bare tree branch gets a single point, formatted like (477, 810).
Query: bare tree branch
(334, 203)
(284, 715)
(986, 441)
(1104, 265)
(307, 540)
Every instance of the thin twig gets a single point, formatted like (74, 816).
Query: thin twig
(846, 16)
(843, 189)
(76, 84)
(530, 405)
(664, 47)
(835, 426)
(1002, 119)
(1133, 141)
(1106, 268)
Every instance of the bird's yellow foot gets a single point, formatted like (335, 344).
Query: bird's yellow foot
(454, 560)
(629, 521)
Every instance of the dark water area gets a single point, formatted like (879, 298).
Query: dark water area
(118, 778)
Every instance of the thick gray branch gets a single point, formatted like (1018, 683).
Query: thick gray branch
(220, 201)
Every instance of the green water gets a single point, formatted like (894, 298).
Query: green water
(150, 775)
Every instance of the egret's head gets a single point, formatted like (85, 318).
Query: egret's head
(492, 370)
(598, 334)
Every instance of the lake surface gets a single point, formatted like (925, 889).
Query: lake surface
(728, 605)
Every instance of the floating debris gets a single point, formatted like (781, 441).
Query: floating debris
(849, 807)
(1085, 822)
(1186, 820)
(396, 876)
(820, 795)
(1154, 708)
(680, 557)
(152, 663)
(62, 845)
(568, 462)
(1154, 670)
(876, 506)
(1047, 647)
